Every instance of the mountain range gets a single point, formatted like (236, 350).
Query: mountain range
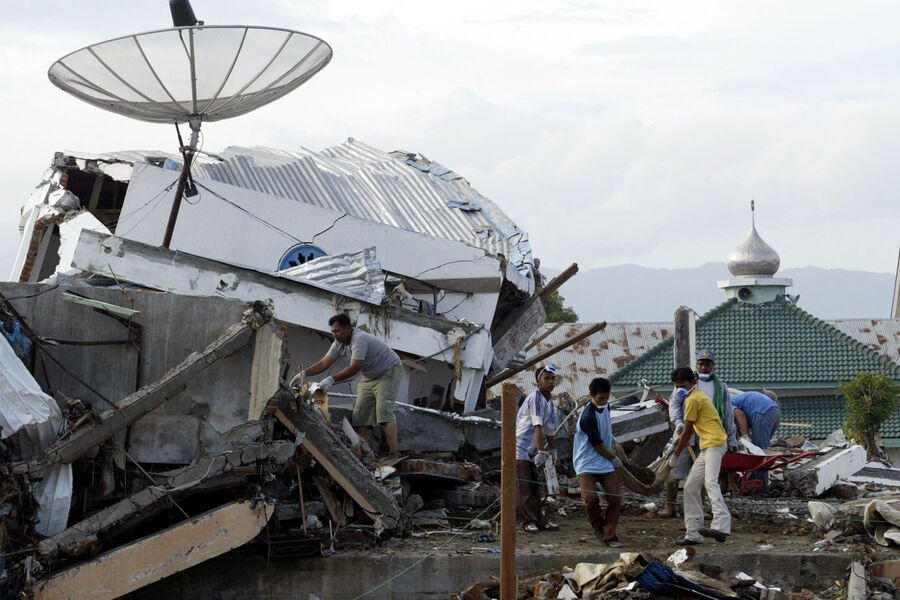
(630, 293)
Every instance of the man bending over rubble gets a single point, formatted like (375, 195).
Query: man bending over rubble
(757, 416)
(381, 370)
(535, 444)
(595, 462)
(700, 416)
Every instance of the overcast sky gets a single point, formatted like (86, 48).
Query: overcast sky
(613, 132)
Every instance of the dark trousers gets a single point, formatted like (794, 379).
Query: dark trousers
(528, 497)
(591, 497)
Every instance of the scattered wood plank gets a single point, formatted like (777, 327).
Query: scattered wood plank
(82, 536)
(334, 509)
(340, 463)
(113, 308)
(158, 556)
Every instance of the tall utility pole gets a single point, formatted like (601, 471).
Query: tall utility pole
(508, 586)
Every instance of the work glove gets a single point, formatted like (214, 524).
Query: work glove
(673, 460)
(541, 457)
(326, 383)
(616, 462)
(679, 428)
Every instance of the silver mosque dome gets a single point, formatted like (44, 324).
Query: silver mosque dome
(753, 257)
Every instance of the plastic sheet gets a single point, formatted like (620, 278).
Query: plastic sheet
(32, 419)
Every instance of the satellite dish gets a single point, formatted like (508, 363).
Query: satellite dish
(191, 75)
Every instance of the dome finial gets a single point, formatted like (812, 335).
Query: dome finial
(753, 256)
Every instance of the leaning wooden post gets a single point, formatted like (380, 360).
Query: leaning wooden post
(508, 585)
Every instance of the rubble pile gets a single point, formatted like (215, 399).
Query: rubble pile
(641, 576)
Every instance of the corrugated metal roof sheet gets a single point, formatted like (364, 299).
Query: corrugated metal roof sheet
(600, 354)
(400, 189)
(881, 335)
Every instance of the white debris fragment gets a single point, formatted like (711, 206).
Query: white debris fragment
(677, 557)
(822, 514)
(566, 593)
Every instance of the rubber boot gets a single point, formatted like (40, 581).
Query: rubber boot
(670, 509)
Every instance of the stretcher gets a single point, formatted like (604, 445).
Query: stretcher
(737, 466)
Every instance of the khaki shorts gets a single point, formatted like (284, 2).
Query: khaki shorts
(375, 398)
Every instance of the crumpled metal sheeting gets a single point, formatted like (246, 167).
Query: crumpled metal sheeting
(358, 275)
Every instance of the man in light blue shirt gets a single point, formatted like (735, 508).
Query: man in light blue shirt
(595, 462)
(757, 416)
(535, 444)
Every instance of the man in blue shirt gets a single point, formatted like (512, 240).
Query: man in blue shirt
(595, 462)
(757, 416)
(535, 444)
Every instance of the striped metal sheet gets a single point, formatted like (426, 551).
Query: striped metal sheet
(398, 189)
(600, 354)
(882, 335)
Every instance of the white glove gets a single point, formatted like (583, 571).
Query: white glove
(326, 383)
(673, 460)
(541, 457)
(679, 428)
(742, 442)
(616, 462)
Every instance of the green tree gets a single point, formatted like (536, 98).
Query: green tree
(871, 400)
(557, 311)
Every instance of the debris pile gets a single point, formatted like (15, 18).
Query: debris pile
(640, 576)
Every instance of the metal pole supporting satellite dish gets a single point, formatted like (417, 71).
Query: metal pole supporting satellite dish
(188, 154)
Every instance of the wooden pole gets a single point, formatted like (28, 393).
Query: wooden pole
(508, 585)
(541, 337)
(555, 283)
(504, 375)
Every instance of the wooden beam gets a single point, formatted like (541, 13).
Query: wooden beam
(504, 375)
(508, 587)
(113, 308)
(141, 402)
(555, 283)
(158, 556)
(543, 336)
(80, 537)
(265, 371)
(343, 467)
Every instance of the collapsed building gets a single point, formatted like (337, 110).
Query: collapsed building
(159, 374)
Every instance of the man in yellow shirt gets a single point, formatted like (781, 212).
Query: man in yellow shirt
(701, 417)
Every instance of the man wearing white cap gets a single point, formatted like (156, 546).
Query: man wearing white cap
(535, 444)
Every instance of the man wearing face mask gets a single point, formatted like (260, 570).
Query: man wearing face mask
(595, 462)
(701, 417)
(535, 444)
(710, 384)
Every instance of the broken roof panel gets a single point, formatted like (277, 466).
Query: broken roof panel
(398, 189)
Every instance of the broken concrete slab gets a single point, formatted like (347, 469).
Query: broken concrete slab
(421, 469)
(336, 458)
(79, 538)
(146, 399)
(155, 557)
(877, 473)
(637, 421)
(474, 495)
(169, 439)
(815, 477)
